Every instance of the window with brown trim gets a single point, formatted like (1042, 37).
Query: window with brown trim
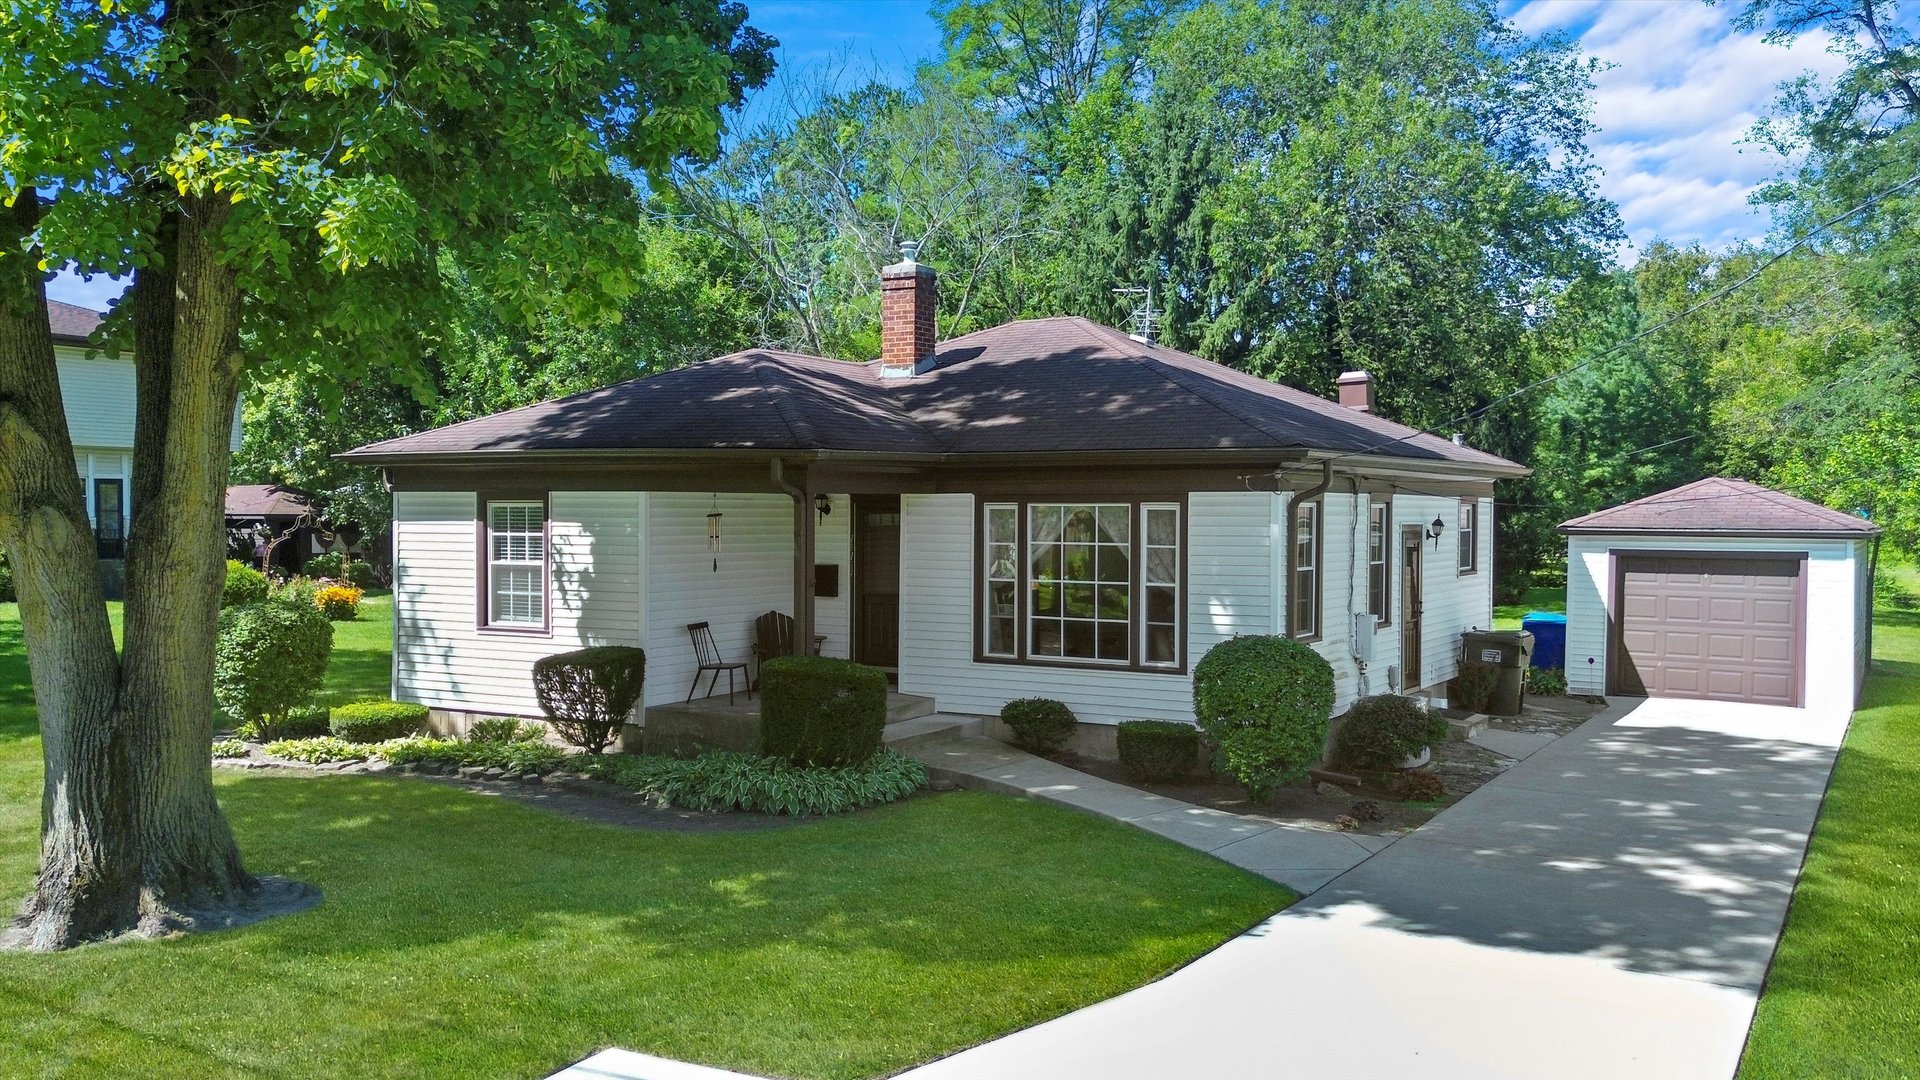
(1469, 535)
(516, 564)
(1379, 576)
(1093, 583)
(1305, 580)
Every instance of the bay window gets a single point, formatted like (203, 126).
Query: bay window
(1089, 583)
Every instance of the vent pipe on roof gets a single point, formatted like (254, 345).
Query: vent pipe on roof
(1356, 391)
(909, 303)
(1459, 438)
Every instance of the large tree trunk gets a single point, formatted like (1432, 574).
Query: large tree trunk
(133, 839)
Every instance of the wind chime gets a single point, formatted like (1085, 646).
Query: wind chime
(713, 532)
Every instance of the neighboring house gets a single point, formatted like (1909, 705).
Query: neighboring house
(99, 397)
(1047, 507)
(273, 524)
(1721, 589)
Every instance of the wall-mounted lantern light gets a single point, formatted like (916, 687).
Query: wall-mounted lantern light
(1434, 530)
(823, 504)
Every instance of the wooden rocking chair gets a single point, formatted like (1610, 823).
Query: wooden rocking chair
(707, 655)
(773, 635)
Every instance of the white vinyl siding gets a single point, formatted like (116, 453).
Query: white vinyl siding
(99, 395)
(1229, 592)
(755, 576)
(1835, 617)
(442, 658)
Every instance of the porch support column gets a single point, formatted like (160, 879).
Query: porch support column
(804, 529)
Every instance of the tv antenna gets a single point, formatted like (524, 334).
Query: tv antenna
(1144, 321)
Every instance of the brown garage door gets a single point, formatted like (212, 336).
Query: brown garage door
(1730, 629)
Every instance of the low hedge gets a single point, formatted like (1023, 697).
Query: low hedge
(1155, 750)
(1381, 731)
(588, 694)
(1040, 725)
(818, 711)
(513, 755)
(229, 748)
(377, 721)
(727, 781)
(305, 722)
(318, 751)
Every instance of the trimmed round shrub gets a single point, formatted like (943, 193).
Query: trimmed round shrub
(1040, 725)
(377, 721)
(269, 660)
(1265, 701)
(588, 694)
(244, 585)
(821, 711)
(1154, 750)
(1382, 731)
(361, 575)
(1474, 686)
(339, 603)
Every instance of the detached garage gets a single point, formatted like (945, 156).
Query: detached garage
(1721, 589)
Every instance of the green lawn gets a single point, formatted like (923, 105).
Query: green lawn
(468, 936)
(1843, 996)
(1508, 616)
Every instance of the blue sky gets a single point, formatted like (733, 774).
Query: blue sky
(1682, 90)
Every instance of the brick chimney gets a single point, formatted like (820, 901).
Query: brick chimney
(1356, 390)
(909, 299)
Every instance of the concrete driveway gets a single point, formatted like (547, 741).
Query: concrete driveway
(1606, 908)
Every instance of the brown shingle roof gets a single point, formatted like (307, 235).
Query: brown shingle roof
(1036, 386)
(1723, 506)
(71, 322)
(266, 500)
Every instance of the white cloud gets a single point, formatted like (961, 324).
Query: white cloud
(1682, 91)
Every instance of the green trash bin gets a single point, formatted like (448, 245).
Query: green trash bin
(1507, 651)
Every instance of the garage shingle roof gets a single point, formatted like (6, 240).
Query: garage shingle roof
(71, 322)
(1722, 506)
(1035, 386)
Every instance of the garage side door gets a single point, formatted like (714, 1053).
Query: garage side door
(1730, 629)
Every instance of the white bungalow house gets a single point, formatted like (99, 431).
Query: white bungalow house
(1049, 507)
(99, 395)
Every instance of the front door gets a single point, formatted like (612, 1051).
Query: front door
(1411, 543)
(876, 580)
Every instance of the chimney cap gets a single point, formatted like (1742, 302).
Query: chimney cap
(1350, 377)
(910, 251)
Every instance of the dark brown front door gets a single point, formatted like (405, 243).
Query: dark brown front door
(1410, 601)
(1730, 629)
(876, 580)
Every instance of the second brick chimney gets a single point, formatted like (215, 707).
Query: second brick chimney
(1356, 390)
(909, 300)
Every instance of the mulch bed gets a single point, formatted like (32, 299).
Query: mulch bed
(1461, 767)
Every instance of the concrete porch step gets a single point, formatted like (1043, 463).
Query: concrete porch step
(931, 728)
(904, 707)
(1462, 730)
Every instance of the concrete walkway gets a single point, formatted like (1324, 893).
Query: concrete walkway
(1301, 858)
(1606, 908)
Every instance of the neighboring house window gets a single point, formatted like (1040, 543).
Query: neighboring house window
(1003, 579)
(1306, 570)
(516, 564)
(1377, 576)
(1095, 583)
(1469, 535)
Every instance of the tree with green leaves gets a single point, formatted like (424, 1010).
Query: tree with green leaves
(1318, 187)
(287, 176)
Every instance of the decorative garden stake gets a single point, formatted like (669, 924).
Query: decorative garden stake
(713, 532)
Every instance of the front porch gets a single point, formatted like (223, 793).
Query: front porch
(682, 729)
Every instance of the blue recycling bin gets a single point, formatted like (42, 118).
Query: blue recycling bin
(1549, 629)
